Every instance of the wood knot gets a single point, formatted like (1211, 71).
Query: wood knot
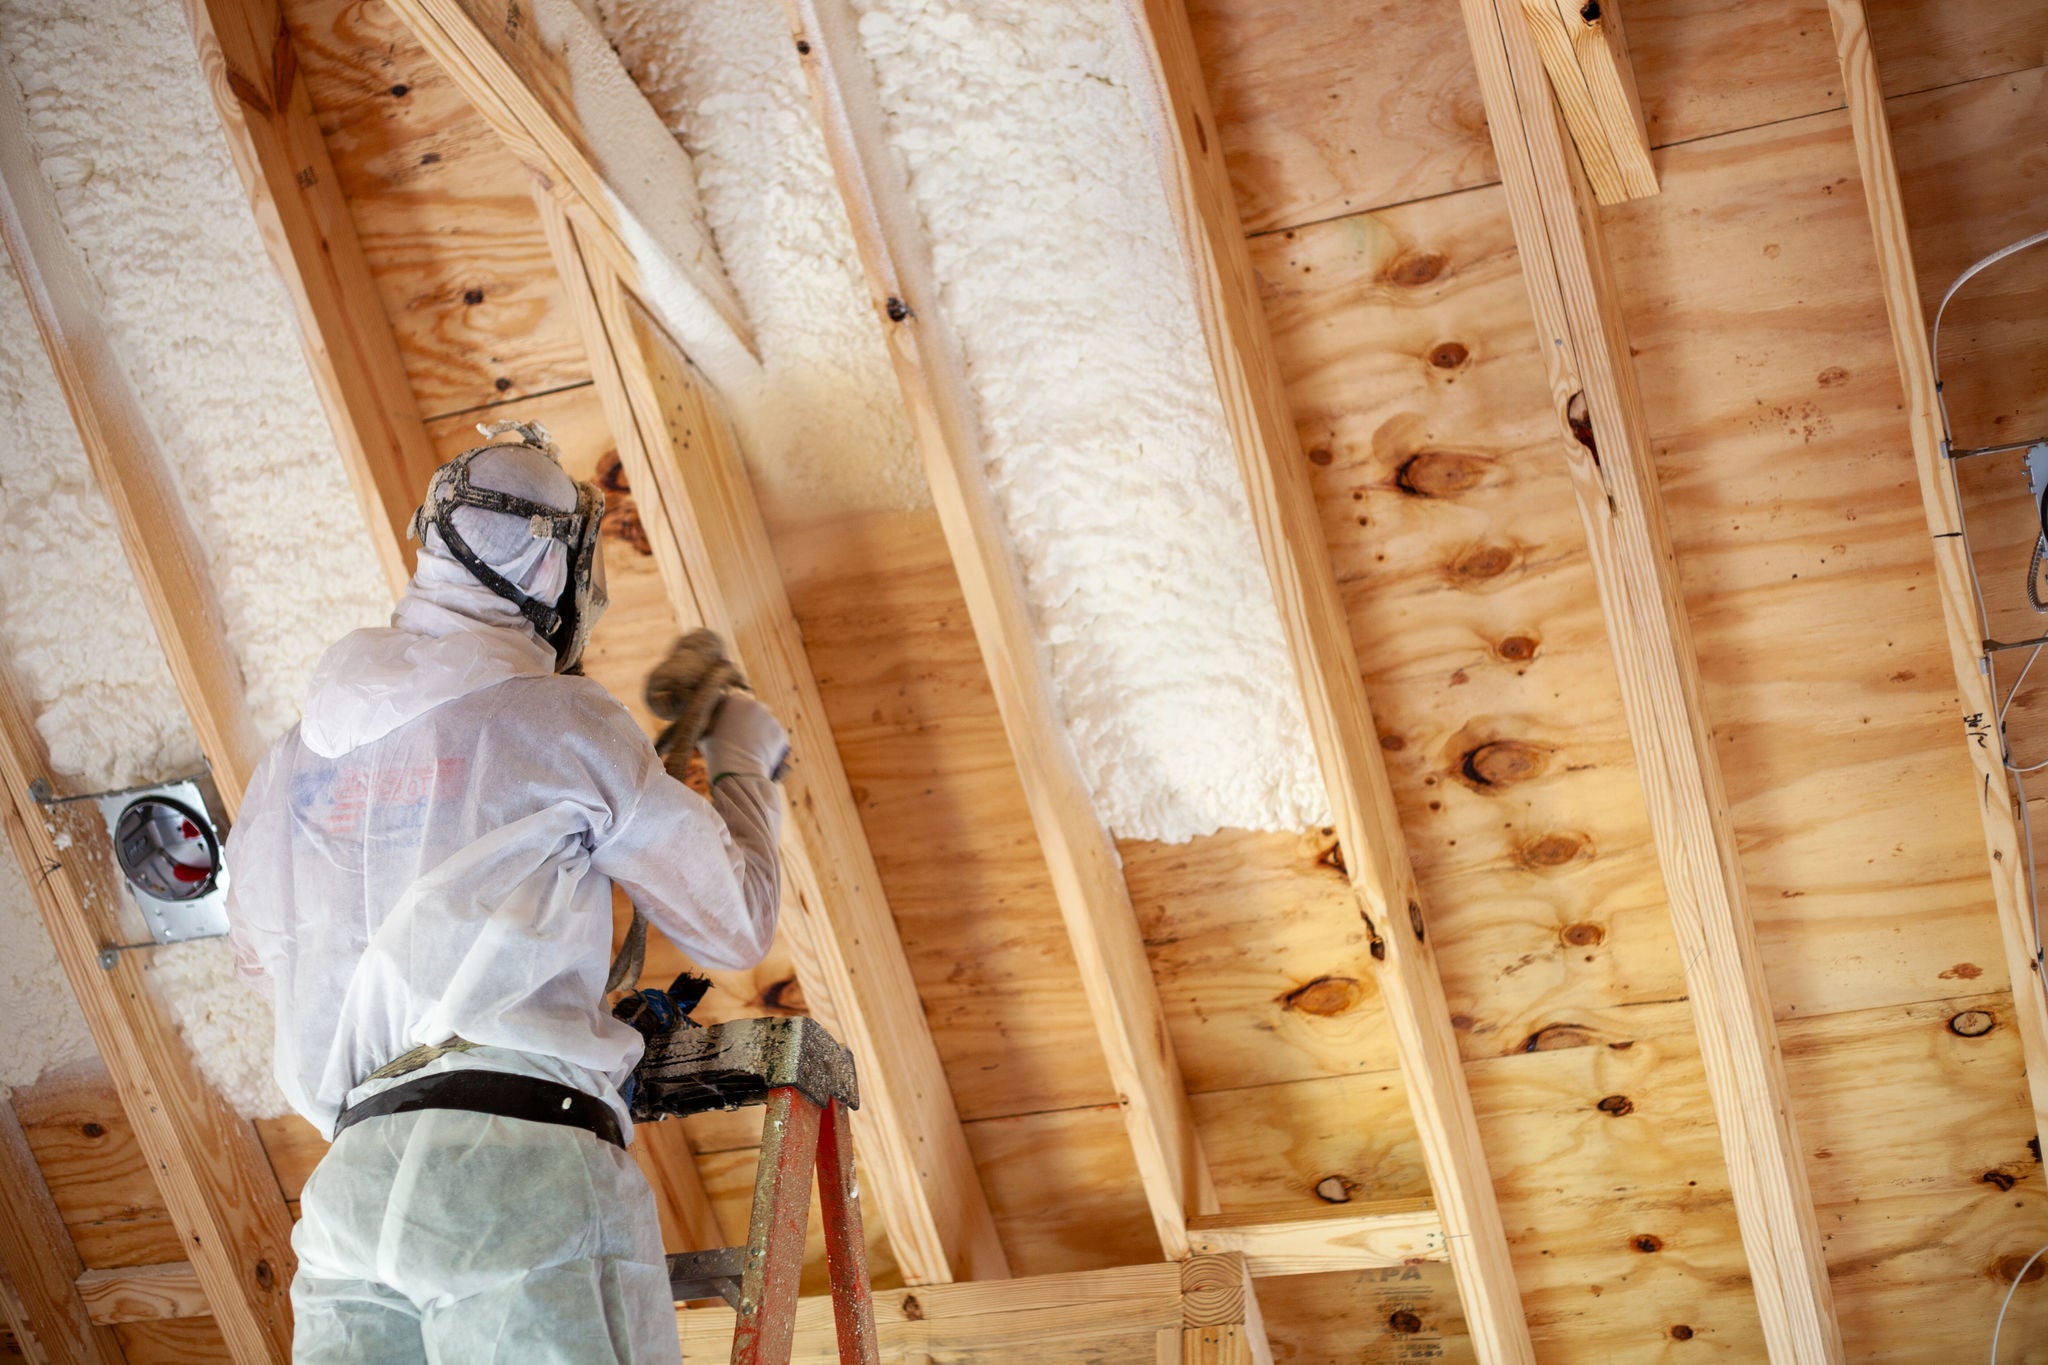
(1556, 1038)
(472, 297)
(1414, 268)
(803, 48)
(1501, 763)
(1582, 935)
(400, 91)
(1334, 1189)
(266, 1278)
(1326, 995)
(502, 384)
(1555, 849)
(1517, 649)
(1998, 1178)
(1833, 377)
(1617, 1105)
(1448, 356)
(1646, 1243)
(1971, 1023)
(1463, 1022)
(622, 513)
(1393, 744)
(1482, 562)
(1441, 473)
(913, 1311)
(2006, 1267)
(92, 1130)
(897, 310)
(1404, 1322)
(1415, 919)
(1681, 1333)
(785, 995)
(1320, 456)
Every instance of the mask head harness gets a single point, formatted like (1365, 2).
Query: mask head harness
(564, 624)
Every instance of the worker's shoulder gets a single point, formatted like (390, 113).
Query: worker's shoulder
(571, 703)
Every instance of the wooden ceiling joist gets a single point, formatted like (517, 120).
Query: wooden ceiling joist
(126, 460)
(1326, 666)
(2003, 832)
(1605, 439)
(303, 217)
(51, 1321)
(1086, 872)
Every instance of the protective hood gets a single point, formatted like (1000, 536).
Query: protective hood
(450, 636)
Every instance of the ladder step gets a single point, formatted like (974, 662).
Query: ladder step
(708, 1274)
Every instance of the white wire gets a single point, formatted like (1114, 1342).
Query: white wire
(1999, 1326)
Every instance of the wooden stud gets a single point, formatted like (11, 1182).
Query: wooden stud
(1326, 667)
(209, 1166)
(1954, 573)
(126, 461)
(40, 1266)
(303, 217)
(713, 552)
(1086, 872)
(1583, 49)
(143, 1293)
(1606, 444)
(1365, 1237)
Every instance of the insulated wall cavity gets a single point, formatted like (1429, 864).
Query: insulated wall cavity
(822, 425)
(1031, 165)
(128, 140)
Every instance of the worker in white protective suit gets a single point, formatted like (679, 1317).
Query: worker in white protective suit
(423, 876)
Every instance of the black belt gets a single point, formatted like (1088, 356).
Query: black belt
(491, 1092)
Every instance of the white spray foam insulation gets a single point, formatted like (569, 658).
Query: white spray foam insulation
(821, 423)
(128, 139)
(1060, 269)
(99, 692)
(653, 191)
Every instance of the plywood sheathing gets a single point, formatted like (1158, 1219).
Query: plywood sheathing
(1748, 325)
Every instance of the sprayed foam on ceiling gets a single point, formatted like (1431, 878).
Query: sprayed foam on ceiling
(1105, 443)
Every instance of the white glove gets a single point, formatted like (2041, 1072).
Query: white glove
(745, 738)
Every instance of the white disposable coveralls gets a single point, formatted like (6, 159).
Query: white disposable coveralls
(431, 854)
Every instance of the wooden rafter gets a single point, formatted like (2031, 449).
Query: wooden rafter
(915, 1162)
(40, 1266)
(276, 144)
(127, 463)
(1974, 692)
(717, 568)
(1087, 874)
(1326, 667)
(1605, 438)
(215, 1180)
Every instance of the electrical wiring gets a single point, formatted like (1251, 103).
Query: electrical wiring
(1999, 1326)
